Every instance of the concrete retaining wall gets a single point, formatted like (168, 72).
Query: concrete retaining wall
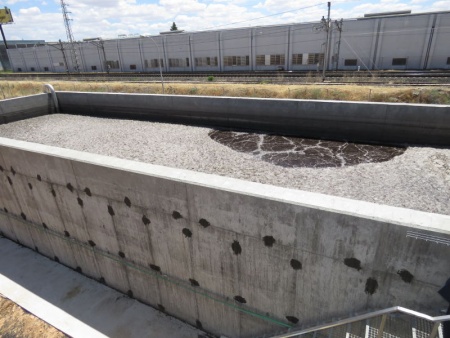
(389, 123)
(25, 107)
(238, 258)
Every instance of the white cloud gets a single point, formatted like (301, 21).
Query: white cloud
(30, 11)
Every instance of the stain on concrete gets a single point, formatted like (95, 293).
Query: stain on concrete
(236, 247)
(56, 259)
(155, 267)
(45, 225)
(72, 293)
(295, 152)
(176, 215)
(371, 286)
(70, 187)
(204, 223)
(240, 299)
(161, 308)
(23, 216)
(268, 241)
(13, 171)
(53, 192)
(91, 243)
(130, 293)
(39, 178)
(88, 192)
(292, 319)
(406, 276)
(111, 210)
(36, 249)
(102, 280)
(187, 232)
(145, 220)
(9, 180)
(295, 264)
(1, 168)
(66, 233)
(198, 324)
(5, 210)
(78, 269)
(121, 254)
(353, 263)
(30, 186)
(193, 282)
(80, 202)
(127, 201)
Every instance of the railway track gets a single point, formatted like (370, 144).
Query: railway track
(362, 77)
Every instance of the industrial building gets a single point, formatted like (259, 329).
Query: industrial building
(396, 40)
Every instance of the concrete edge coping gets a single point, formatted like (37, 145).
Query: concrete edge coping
(263, 99)
(383, 213)
(23, 97)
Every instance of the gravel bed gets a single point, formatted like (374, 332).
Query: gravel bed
(418, 179)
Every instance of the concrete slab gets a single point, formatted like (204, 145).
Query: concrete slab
(76, 305)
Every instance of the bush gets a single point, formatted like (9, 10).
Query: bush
(210, 78)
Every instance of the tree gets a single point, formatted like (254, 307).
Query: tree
(174, 27)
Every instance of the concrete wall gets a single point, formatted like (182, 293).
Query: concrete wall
(25, 107)
(290, 255)
(353, 121)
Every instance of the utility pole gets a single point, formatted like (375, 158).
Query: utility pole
(327, 29)
(64, 57)
(339, 27)
(73, 52)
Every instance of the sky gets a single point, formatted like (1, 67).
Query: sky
(43, 20)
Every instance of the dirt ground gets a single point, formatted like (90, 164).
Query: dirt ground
(16, 322)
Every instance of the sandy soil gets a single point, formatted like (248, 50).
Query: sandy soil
(418, 179)
(17, 322)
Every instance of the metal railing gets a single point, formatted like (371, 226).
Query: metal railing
(394, 322)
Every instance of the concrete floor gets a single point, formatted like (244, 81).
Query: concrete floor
(77, 305)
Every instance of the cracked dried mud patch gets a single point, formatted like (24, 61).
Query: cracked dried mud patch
(296, 152)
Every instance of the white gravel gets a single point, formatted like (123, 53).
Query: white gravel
(419, 179)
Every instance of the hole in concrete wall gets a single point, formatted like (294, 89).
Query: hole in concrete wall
(70, 187)
(53, 192)
(292, 319)
(102, 280)
(9, 180)
(45, 226)
(1, 168)
(88, 192)
(236, 248)
(80, 202)
(36, 249)
(66, 233)
(176, 215)
(91, 243)
(13, 171)
(155, 268)
(127, 201)
(30, 186)
(78, 269)
(240, 299)
(353, 263)
(371, 286)
(193, 282)
(56, 259)
(5, 210)
(296, 265)
(23, 216)
(111, 210)
(145, 220)
(130, 293)
(406, 276)
(199, 324)
(187, 232)
(204, 223)
(161, 308)
(268, 241)
(121, 254)
(39, 177)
